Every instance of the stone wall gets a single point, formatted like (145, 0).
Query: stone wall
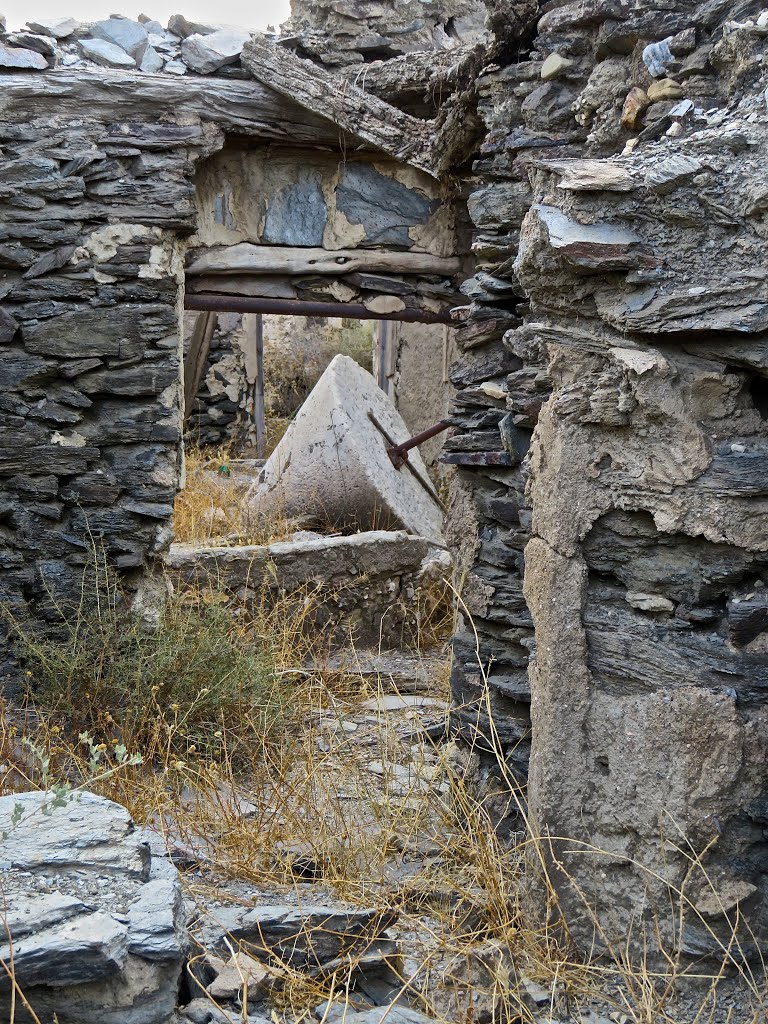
(97, 200)
(612, 397)
(346, 208)
(352, 33)
(102, 196)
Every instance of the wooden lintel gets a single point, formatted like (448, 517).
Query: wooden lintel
(247, 258)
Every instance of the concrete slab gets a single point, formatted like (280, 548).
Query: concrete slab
(365, 586)
(332, 465)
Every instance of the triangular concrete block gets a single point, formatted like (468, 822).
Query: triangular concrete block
(332, 466)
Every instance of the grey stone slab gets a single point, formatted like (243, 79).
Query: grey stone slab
(31, 41)
(87, 832)
(207, 53)
(56, 28)
(297, 213)
(87, 948)
(107, 54)
(151, 62)
(129, 35)
(156, 921)
(15, 58)
(384, 207)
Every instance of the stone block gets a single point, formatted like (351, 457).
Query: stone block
(107, 943)
(207, 53)
(129, 35)
(332, 465)
(107, 54)
(382, 206)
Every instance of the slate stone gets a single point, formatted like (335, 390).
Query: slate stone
(297, 214)
(206, 54)
(8, 326)
(16, 257)
(31, 41)
(151, 62)
(89, 332)
(145, 379)
(106, 54)
(53, 260)
(384, 207)
(56, 28)
(129, 36)
(19, 369)
(156, 921)
(593, 247)
(87, 949)
(182, 28)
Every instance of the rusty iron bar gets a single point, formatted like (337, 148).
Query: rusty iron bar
(215, 303)
(426, 484)
(398, 453)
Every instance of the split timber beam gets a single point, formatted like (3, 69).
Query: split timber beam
(363, 116)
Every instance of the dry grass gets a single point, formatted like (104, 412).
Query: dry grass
(265, 770)
(422, 843)
(214, 505)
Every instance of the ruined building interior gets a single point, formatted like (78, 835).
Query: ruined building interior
(543, 223)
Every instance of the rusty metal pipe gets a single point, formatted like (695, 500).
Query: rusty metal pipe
(398, 453)
(213, 302)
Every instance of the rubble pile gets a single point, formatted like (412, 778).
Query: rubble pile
(120, 43)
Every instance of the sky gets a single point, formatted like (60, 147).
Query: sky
(256, 14)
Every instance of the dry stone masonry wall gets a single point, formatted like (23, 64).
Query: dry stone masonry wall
(97, 199)
(617, 326)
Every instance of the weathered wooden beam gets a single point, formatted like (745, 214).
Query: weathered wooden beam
(247, 258)
(196, 358)
(371, 120)
(247, 108)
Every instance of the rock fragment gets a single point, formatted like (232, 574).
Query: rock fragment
(31, 41)
(554, 66)
(649, 602)
(56, 28)
(665, 89)
(182, 28)
(658, 56)
(151, 62)
(669, 174)
(635, 104)
(129, 35)
(15, 58)
(207, 53)
(106, 54)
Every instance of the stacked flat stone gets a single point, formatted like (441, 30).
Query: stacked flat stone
(121, 43)
(614, 322)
